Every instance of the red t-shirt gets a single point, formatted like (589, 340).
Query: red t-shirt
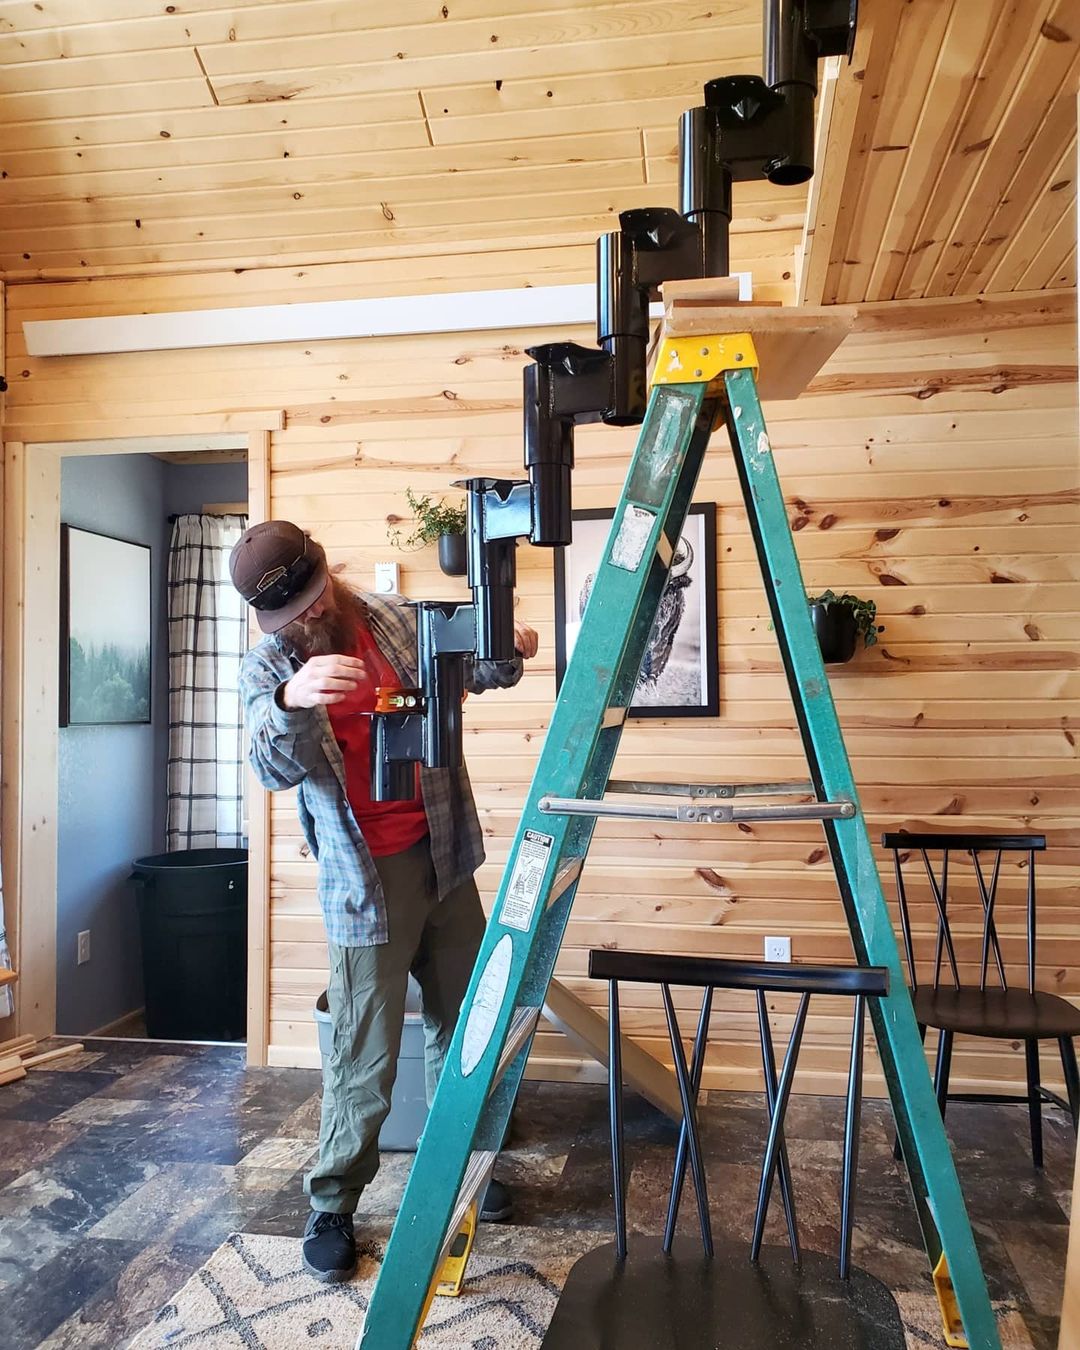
(387, 827)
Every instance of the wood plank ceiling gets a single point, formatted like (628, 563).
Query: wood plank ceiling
(142, 135)
(952, 171)
(139, 132)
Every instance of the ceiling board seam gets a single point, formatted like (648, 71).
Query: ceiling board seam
(206, 77)
(424, 115)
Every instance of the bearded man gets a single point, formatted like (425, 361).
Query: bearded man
(395, 879)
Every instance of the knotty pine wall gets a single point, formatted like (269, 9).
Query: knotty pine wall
(933, 467)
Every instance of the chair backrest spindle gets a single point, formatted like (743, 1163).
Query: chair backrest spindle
(905, 920)
(944, 931)
(990, 937)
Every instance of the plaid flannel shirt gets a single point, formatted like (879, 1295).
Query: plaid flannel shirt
(297, 748)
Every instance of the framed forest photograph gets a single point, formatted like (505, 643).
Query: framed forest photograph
(104, 629)
(679, 674)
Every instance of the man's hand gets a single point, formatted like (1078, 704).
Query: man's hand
(322, 680)
(526, 640)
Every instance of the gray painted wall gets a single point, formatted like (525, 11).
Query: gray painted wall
(112, 778)
(190, 487)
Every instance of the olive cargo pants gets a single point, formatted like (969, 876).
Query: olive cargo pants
(437, 942)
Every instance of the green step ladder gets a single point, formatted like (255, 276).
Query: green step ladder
(489, 1050)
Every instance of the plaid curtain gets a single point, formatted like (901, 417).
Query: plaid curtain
(207, 638)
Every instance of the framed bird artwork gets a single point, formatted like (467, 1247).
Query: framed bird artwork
(679, 673)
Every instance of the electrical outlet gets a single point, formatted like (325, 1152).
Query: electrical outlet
(778, 949)
(387, 579)
(84, 947)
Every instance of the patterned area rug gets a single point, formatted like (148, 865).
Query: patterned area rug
(253, 1295)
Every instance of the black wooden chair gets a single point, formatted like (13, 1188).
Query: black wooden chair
(990, 1008)
(710, 973)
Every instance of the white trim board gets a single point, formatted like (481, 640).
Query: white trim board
(392, 316)
(147, 445)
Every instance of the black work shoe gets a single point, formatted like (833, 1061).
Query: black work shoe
(329, 1247)
(498, 1205)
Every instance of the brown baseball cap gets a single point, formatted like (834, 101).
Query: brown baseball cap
(279, 570)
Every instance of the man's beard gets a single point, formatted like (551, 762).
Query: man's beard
(332, 633)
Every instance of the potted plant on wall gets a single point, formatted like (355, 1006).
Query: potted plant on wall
(839, 622)
(436, 522)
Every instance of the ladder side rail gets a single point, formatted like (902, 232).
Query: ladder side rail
(935, 1186)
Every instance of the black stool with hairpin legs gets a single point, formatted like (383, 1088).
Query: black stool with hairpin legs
(762, 978)
(1005, 1012)
(672, 1294)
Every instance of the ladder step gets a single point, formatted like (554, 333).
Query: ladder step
(564, 878)
(477, 1174)
(694, 812)
(522, 1025)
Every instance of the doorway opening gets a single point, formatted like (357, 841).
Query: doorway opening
(149, 762)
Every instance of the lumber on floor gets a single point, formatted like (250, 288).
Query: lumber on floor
(585, 1026)
(18, 1055)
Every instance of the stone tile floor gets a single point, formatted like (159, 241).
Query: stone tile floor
(124, 1167)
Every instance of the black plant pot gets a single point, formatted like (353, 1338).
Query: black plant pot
(453, 554)
(836, 632)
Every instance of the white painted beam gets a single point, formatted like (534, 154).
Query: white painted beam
(457, 312)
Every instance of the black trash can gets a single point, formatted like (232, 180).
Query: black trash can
(193, 919)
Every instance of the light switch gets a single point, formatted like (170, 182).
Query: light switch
(387, 581)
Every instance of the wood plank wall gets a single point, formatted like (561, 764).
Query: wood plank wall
(933, 466)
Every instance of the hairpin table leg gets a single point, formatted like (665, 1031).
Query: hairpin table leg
(697, 1067)
(689, 1107)
(768, 1065)
(851, 1137)
(776, 1126)
(615, 1102)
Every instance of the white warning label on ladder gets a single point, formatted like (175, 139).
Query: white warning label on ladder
(523, 891)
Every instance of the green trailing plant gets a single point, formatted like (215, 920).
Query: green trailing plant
(863, 611)
(430, 521)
